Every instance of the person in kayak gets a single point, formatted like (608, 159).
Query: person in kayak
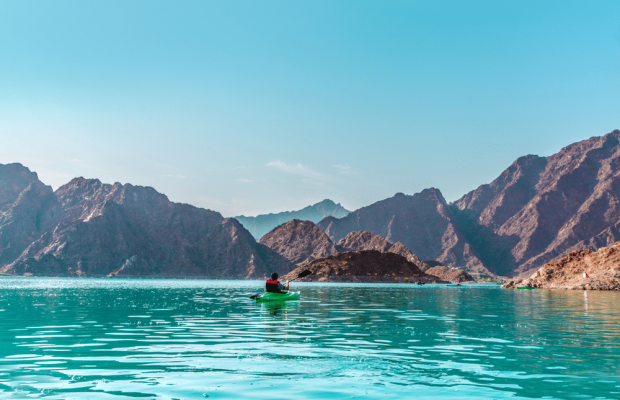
(274, 286)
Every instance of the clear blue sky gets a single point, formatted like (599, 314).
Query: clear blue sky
(248, 107)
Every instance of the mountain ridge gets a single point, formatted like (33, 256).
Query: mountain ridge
(539, 208)
(301, 242)
(260, 225)
(423, 222)
(89, 228)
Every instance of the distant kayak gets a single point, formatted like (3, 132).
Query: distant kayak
(525, 287)
(267, 297)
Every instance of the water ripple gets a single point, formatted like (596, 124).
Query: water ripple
(103, 339)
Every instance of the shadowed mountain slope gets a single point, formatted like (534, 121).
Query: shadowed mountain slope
(537, 210)
(423, 223)
(21, 197)
(90, 228)
(541, 208)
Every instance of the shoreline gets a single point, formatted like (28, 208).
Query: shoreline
(332, 279)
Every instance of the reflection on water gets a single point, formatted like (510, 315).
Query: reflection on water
(177, 339)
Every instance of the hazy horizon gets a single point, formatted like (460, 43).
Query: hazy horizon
(251, 108)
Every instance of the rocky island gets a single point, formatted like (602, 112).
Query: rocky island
(580, 270)
(363, 266)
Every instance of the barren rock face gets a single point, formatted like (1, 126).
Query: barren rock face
(90, 228)
(299, 241)
(601, 267)
(363, 240)
(447, 274)
(21, 197)
(541, 208)
(362, 266)
(423, 223)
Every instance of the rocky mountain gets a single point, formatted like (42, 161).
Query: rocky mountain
(299, 241)
(21, 197)
(363, 240)
(262, 224)
(580, 270)
(362, 266)
(302, 242)
(423, 223)
(541, 208)
(537, 210)
(95, 229)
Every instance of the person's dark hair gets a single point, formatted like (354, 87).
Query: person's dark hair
(274, 276)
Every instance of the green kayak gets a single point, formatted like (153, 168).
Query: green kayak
(267, 297)
(525, 287)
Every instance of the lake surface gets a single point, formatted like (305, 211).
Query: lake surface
(63, 338)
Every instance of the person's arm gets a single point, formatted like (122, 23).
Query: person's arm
(287, 285)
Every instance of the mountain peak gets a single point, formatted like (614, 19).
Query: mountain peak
(262, 224)
(94, 229)
(539, 207)
(299, 241)
(326, 202)
(421, 222)
(17, 171)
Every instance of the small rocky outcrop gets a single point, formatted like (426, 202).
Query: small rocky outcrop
(362, 240)
(299, 241)
(449, 274)
(580, 270)
(362, 266)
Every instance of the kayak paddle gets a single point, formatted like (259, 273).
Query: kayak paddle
(302, 274)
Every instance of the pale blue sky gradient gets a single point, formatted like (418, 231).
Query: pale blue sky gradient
(250, 107)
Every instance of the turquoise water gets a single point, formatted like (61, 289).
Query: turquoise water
(196, 339)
